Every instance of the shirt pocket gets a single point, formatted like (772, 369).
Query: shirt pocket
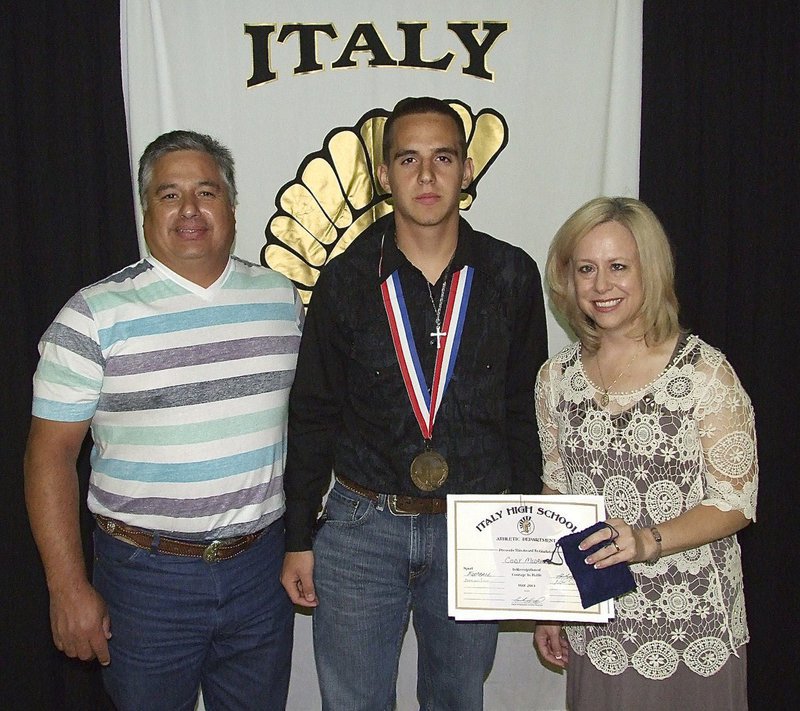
(375, 383)
(479, 379)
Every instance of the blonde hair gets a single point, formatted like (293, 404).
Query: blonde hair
(658, 315)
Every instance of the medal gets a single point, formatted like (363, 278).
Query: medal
(429, 470)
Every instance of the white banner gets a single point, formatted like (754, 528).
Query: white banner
(282, 83)
(549, 91)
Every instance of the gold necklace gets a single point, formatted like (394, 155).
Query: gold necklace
(604, 396)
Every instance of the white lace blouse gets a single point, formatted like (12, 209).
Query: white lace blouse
(686, 439)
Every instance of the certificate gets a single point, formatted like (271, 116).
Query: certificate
(503, 562)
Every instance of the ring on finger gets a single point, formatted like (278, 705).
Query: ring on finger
(614, 543)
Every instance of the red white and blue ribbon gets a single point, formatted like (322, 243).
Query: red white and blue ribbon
(426, 404)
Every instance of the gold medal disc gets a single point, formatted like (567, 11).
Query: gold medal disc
(429, 470)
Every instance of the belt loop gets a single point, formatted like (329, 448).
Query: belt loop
(380, 505)
(154, 543)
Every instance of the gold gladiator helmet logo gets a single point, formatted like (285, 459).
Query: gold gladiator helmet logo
(335, 195)
(525, 525)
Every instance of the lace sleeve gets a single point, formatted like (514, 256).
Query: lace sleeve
(727, 432)
(553, 470)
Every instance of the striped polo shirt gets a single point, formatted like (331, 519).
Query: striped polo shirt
(187, 390)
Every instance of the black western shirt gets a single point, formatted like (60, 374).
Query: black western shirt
(349, 410)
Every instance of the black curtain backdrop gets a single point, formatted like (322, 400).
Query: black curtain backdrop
(68, 220)
(719, 165)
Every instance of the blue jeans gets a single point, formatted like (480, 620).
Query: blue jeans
(371, 570)
(179, 624)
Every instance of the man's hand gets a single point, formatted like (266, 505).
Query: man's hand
(297, 578)
(78, 615)
(80, 623)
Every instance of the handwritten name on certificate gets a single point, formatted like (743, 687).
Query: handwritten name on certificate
(500, 549)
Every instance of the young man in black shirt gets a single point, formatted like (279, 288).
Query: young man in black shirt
(415, 379)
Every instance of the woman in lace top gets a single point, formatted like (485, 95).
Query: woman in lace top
(656, 421)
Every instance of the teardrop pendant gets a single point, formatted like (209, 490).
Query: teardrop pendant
(604, 399)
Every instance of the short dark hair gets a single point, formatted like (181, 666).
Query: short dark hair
(186, 141)
(422, 105)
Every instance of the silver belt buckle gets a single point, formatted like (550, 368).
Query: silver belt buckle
(210, 553)
(391, 500)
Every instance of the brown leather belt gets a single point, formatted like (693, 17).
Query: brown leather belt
(398, 505)
(210, 552)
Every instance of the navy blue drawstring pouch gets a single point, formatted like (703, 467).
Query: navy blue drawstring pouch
(595, 584)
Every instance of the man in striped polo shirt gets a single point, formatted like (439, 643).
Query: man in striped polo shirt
(181, 366)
